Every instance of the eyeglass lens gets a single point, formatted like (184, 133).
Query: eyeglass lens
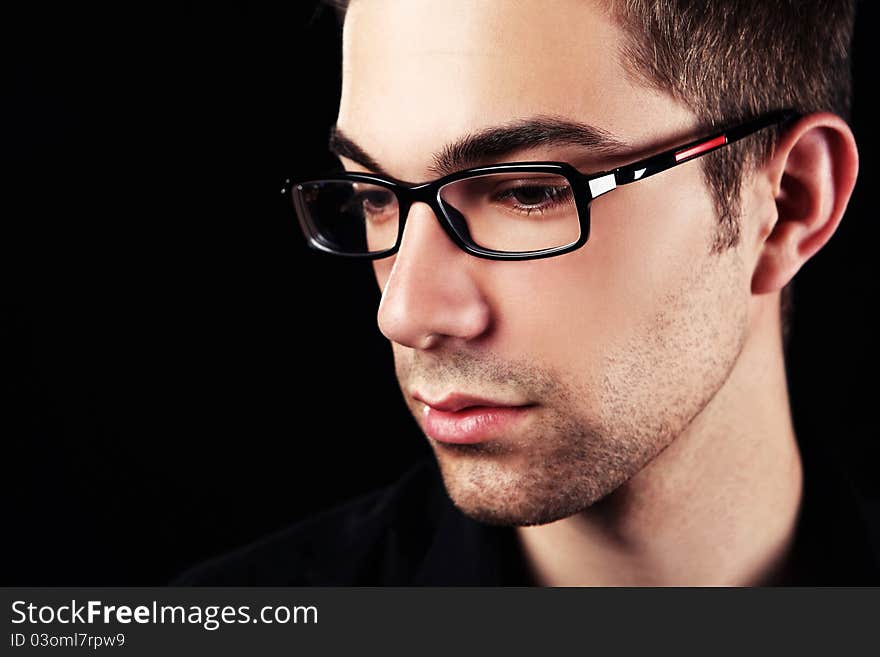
(509, 212)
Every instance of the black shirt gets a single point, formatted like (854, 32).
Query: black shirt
(410, 534)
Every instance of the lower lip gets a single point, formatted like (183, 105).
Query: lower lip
(471, 425)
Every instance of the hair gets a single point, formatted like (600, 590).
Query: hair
(732, 60)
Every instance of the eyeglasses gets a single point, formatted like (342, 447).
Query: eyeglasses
(512, 211)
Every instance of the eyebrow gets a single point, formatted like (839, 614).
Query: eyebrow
(495, 142)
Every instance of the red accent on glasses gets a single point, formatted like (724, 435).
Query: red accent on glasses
(701, 148)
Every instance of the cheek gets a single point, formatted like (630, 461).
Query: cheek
(651, 236)
(382, 269)
(646, 242)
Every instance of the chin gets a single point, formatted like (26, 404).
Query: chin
(499, 493)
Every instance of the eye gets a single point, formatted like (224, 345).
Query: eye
(535, 197)
(533, 194)
(375, 204)
(376, 201)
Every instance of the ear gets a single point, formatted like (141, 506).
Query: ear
(811, 174)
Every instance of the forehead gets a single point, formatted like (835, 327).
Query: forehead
(418, 74)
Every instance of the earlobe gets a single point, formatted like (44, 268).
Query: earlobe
(813, 172)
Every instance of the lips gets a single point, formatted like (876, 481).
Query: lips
(466, 419)
(456, 402)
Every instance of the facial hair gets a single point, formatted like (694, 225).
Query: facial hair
(585, 437)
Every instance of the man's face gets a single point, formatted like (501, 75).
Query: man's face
(616, 346)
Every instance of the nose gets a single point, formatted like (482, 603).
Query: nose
(430, 293)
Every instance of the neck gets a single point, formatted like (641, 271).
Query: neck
(718, 507)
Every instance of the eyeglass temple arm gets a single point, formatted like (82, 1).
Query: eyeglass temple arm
(668, 159)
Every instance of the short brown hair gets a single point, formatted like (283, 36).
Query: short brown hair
(731, 60)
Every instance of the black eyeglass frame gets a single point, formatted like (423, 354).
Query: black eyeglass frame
(585, 189)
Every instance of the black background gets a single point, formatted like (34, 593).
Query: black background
(181, 375)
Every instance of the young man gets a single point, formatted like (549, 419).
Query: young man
(593, 350)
